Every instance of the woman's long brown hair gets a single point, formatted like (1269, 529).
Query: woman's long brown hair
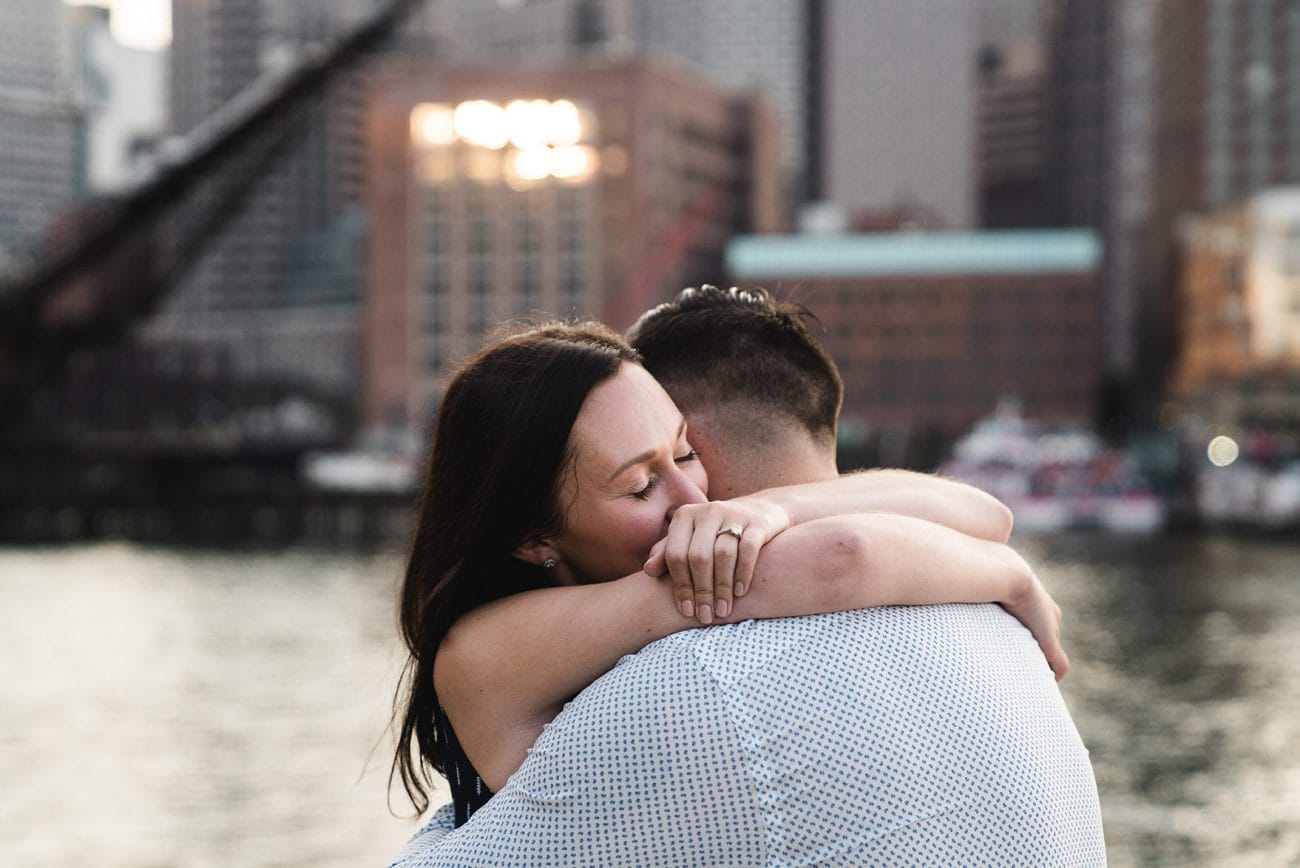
(500, 449)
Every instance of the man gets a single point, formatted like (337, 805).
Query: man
(930, 735)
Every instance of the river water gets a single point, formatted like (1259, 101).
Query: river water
(162, 707)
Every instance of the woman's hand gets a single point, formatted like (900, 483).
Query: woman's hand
(710, 552)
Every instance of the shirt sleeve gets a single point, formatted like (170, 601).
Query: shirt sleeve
(642, 768)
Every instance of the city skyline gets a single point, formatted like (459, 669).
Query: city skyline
(1039, 117)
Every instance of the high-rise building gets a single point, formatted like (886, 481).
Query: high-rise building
(1011, 108)
(899, 108)
(771, 46)
(39, 119)
(1012, 125)
(590, 188)
(278, 288)
(1226, 124)
(1100, 157)
(1227, 85)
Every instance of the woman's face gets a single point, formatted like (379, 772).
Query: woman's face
(632, 468)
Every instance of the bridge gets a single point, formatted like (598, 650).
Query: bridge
(105, 268)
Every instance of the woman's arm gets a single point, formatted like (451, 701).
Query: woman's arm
(709, 570)
(901, 492)
(506, 668)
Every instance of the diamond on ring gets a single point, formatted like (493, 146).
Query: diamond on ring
(733, 529)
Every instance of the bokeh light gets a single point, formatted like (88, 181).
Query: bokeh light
(1222, 451)
(564, 125)
(533, 164)
(528, 121)
(433, 123)
(573, 162)
(482, 123)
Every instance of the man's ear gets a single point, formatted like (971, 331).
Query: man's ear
(535, 552)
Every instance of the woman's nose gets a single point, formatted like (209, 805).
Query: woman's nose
(684, 490)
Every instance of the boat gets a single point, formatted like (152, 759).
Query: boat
(1054, 479)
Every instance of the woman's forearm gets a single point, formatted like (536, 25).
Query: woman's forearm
(507, 668)
(876, 559)
(708, 573)
(919, 495)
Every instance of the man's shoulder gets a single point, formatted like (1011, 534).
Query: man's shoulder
(896, 649)
(918, 629)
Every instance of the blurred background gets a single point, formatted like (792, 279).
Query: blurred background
(1054, 246)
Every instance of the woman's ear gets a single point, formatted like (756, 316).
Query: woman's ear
(536, 552)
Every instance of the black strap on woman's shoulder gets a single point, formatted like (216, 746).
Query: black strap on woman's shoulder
(468, 792)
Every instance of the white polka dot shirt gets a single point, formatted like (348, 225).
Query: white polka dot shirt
(902, 736)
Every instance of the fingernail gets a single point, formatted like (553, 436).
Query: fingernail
(688, 608)
(706, 614)
(740, 589)
(723, 608)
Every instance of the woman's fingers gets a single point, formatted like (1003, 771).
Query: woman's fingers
(748, 547)
(677, 557)
(700, 559)
(725, 547)
(656, 565)
(711, 551)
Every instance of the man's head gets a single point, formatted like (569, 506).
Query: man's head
(748, 375)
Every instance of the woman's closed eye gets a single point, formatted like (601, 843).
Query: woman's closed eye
(644, 493)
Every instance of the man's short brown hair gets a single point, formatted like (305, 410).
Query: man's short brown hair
(712, 347)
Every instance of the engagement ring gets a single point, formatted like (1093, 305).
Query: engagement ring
(734, 529)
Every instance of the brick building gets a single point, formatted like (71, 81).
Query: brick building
(1239, 312)
(931, 329)
(587, 187)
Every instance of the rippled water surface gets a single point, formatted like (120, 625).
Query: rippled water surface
(1186, 688)
(167, 708)
(161, 707)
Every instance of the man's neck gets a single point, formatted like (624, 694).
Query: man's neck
(793, 466)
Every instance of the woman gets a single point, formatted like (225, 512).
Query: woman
(557, 464)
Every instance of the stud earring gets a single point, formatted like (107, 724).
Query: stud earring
(549, 563)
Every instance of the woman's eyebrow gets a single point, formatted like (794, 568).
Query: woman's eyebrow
(644, 456)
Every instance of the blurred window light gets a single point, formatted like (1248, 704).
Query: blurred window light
(482, 123)
(529, 122)
(573, 163)
(483, 166)
(1222, 451)
(433, 123)
(564, 125)
(437, 167)
(534, 164)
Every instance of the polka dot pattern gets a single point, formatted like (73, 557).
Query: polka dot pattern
(907, 736)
